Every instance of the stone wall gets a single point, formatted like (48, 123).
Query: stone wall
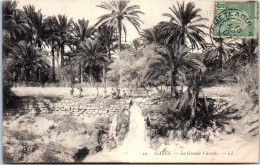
(152, 107)
(68, 106)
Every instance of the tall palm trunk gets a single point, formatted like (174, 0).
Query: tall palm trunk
(20, 74)
(172, 80)
(91, 76)
(174, 83)
(194, 95)
(58, 56)
(39, 74)
(27, 75)
(119, 42)
(104, 82)
(62, 56)
(221, 54)
(81, 73)
(173, 71)
(193, 106)
(104, 76)
(119, 32)
(53, 64)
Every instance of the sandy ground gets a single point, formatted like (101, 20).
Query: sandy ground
(54, 134)
(238, 147)
(58, 91)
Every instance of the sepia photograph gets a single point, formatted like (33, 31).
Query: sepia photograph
(130, 81)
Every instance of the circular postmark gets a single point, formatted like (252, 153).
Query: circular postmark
(231, 22)
(234, 19)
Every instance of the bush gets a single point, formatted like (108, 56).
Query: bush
(121, 70)
(8, 96)
(81, 154)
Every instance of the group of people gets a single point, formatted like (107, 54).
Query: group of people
(76, 92)
(76, 88)
(115, 94)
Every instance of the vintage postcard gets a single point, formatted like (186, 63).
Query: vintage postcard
(130, 81)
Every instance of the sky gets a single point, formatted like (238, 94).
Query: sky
(78, 9)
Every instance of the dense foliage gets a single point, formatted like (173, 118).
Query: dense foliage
(50, 49)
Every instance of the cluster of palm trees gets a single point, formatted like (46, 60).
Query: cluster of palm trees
(174, 59)
(173, 42)
(29, 36)
(167, 49)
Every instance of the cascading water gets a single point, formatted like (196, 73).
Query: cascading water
(133, 146)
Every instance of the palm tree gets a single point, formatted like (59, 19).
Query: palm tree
(136, 43)
(155, 72)
(38, 33)
(107, 38)
(171, 36)
(120, 11)
(90, 57)
(9, 12)
(82, 31)
(64, 33)
(15, 26)
(218, 51)
(24, 57)
(179, 61)
(184, 68)
(185, 23)
(52, 39)
(196, 78)
(15, 22)
(153, 35)
(248, 49)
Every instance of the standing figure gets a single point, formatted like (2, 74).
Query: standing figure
(130, 93)
(71, 91)
(113, 93)
(76, 92)
(97, 92)
(105, 93)
(148, 124)
(80, 91)
(124, 94)
(118, 93)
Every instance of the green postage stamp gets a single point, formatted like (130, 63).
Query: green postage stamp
(235, 19)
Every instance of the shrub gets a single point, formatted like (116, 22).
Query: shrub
(8, 96)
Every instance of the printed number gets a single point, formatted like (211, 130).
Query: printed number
(144, 153)
(220, 6)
